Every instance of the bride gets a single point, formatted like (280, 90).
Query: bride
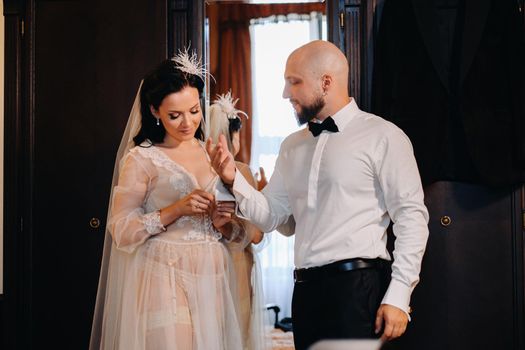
(166, 277)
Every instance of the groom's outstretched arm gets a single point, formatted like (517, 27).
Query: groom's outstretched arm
(268, 209)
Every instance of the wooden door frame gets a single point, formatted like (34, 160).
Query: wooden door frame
(186, 26)
(358, 22)
(18, 174)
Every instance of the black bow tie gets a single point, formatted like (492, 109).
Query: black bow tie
(327, 124)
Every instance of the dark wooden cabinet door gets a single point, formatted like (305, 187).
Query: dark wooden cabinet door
(64, 248)
(74, 70)
(471, 290)
(88, 59)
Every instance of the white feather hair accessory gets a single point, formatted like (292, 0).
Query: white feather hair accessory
(227, 105)
(190, 63)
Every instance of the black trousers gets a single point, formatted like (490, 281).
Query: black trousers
(338, 306)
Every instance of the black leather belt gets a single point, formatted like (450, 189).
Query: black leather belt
(318, 272)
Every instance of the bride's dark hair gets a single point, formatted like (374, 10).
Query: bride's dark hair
(166, 79)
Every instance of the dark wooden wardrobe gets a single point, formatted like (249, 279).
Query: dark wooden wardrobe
(72, 68)
(471, 294)
(72, 72)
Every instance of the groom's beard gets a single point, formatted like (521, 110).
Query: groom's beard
(309, 112)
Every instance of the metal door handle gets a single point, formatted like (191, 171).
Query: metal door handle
(94, 223)
(445, 221)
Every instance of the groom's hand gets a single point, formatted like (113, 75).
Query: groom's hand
(222, 160)
(395, 322)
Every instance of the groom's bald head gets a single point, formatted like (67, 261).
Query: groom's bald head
(319, 58)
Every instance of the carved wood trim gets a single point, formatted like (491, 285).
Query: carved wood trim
(17, 174)
(354, 48)
(185, 25)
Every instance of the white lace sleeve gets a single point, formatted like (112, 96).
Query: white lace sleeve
(152, 222)
(128, 224)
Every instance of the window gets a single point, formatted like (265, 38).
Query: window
(273, 39)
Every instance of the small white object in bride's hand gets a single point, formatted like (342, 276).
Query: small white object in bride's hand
(222, 194)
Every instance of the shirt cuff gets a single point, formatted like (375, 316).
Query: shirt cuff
(398, 295)
(241, 187)
(241, 190)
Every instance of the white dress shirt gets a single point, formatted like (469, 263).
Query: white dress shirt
(343, 189)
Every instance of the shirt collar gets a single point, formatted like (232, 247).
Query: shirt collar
(343, 116)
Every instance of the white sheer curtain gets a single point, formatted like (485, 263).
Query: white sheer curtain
(273, 39)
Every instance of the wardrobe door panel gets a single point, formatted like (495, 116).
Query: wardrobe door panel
(89, 58)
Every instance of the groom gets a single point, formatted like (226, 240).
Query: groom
(344, 178)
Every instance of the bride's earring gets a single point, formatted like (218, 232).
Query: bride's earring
(154, 114)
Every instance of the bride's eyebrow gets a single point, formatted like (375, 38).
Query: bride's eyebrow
(174, 111)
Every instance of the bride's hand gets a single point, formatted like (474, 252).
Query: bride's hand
(195, 203)
(222, 213)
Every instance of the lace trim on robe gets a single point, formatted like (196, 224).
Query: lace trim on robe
(152, 222)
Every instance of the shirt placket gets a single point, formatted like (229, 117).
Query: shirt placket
(313, 178)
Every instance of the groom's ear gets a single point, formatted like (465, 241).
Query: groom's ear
(326, 83)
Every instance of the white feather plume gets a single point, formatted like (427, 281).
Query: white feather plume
(190, 63)
(227, 105)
